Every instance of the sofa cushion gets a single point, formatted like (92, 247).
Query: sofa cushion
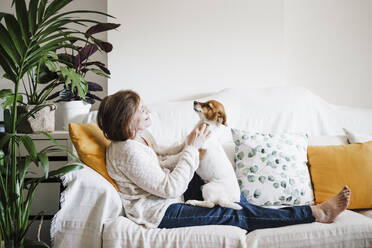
(90, 144)
(332, 167)
(327, 140)
(349, 230)
(365, 212)
(271, 168)
(357, 137)
(122, 232)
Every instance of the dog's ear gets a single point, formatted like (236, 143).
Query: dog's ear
(221, 118)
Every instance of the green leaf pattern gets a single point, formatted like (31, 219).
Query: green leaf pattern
(272, 168)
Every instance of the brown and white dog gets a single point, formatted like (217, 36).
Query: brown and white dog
(221, 185)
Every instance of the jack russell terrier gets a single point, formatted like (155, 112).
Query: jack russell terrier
(221, 185)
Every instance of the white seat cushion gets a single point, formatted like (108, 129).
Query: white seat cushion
(122, 232)
(365, 212)
(349, 230)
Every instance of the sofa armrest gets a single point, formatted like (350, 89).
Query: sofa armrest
(86, 202)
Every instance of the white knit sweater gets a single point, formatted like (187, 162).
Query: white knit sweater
(146, 189)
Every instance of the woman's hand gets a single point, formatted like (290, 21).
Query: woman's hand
(198, 136)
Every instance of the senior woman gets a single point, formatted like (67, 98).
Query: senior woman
(152, 195)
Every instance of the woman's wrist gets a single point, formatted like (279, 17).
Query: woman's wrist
(192, 148)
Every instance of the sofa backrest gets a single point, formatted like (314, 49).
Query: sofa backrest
(284, 109)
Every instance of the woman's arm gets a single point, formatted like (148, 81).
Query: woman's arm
(146, 173)
(169, 161)
(172, 150)
(161, 150)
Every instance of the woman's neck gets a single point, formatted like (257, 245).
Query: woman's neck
(139, 138)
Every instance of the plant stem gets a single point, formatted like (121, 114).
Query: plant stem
(13, 207)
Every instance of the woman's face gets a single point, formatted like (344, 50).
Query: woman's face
(142, 118)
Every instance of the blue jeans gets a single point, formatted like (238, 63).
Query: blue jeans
(250, 218)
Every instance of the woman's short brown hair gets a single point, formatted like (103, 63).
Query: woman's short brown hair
(115, 115)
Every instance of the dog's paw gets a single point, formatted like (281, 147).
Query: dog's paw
(232, 205)
(205, 204)
(237, 207)
(191, 202)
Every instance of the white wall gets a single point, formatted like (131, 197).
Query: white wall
(98, 5)
(174, 49)
(171, 49)
(329, 48)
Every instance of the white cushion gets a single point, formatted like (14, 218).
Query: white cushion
(357, 137)
(271, 168)
(349, 230)
(328, 140)
(122, 232)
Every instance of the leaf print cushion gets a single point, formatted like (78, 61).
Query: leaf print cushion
(271, 168)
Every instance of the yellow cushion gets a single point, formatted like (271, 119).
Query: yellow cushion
(332, 167)
(90, 143)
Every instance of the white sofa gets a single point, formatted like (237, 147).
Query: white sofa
(92, 215)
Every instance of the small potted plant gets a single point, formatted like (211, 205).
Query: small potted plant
(38, 85)
(77, 95)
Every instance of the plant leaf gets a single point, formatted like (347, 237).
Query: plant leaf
(7, 44)
(98, 64)
(8, 97)
(66, 59)
(47, 76)
(41, 10)
(5, 93)
(84, 53)
(89, 100)
(22, 17)
(94, 97)
(29, 145)
(5, 139)
(101, 27)
(32, 15)
(22, 167)
(76, 81)
(65, 169)
(34, 244)
(54, 95)
(55, 6)
(15, 33)
(64, 149)
(7, 121)
(94, 87)
(104, 45)
(43, 158)
(8, 66)
(51, 65)
(100, 73)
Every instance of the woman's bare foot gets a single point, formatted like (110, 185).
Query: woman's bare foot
(327, 211)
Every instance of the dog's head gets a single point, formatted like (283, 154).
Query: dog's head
(211, 111)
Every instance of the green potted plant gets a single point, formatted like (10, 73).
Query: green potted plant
(34, 97)
(77, 95)
(27, 37)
